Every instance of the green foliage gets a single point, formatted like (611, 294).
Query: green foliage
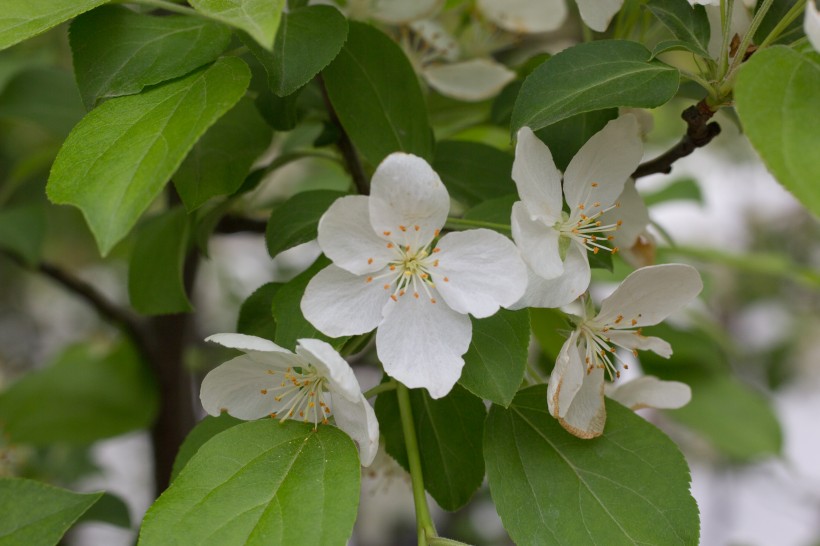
(85, 395)
(262, 482)
(121, 155)
(593, 76)
(136, 51)
(687, 23)
(473, 172)
(219, 162)
(295, 221)
(777, 90)
(256, 314)
(629, 486)
(685, 189)
(22, 19)
(371, 79)
(206, 429)
(259, 18)
(495, 363)
(547, 327)
(37, 514)
(566, 137)
(45, 96)
(109, 509)
(155, 284)
(449, 437)
(496, 211)
(22, 230)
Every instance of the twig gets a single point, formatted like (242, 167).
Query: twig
(231, 223)
(699, 133)
(354, 165)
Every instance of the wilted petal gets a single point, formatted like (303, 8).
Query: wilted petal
(421, 344)
(538, 243)
(598, 13)
(561, 290)
(651, 392)
(483, 270)
(406, 192)
(566, 378)
(633, 340)
(649, 295)
(359, 421)
(595, 177)
(473, 80)
(347, 238)
(586, 415)
(537, 178)
(330, 364)
(339, 303)
(525, 16)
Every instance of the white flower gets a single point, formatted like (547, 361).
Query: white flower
(647, 296)
(270, 380)
(390, 270)
(553, 243)
(532, 16)
(650, 392)
(811, 24)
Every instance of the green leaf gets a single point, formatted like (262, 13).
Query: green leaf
(776, 91)
(496, 211)
(206, 429)
(119, 157)
(222, 158)
(295, 221)
(259, 18)
(473, 172)
(689, 24)
(136, 50)
(371, 79)
(685, 189)
(449, 436)
(84, 396)
(567, 136)
(261, 483)
(629, 486)
(22, 230)
(777, 10)
(256, 315)
(109, 509)
(23, 19)
(308, 40)
(593, 76)
(36, 514)
(495, 363)
(45, 96)
(155, 284)
(547, 327)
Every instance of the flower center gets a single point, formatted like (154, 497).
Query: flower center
(601, 351)
(586, 227)
(300, 395)
(410, 269)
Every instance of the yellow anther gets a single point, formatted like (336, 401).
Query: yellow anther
(370, 261)
(369, 279)
(264, 391)
(416, 228)
(403, 228)
(386, 233)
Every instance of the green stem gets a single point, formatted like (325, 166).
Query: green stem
(778, 29)
(380, 388)
(457, 223)
(424, 523)
(726, 9)
(747, 39)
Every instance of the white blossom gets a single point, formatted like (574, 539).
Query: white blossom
(533, 16)
(811, 24)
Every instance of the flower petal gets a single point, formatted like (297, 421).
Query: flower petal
(651, 392)
(421, 344)
(633, 216)
(649, 295)
(347, 238)
(525, 16)
(537, 178)
(330, 364)
(566, 378)
(598, 13)
(634, 340)
(811, 24)
(406, 192)
(358, 420)
(401, 11)
(537, 242)
(561, 290)
(246, 343)
(239, 386)
(586, 415)
(473, 80)
(434, 37)
(595, 177)
(339, 303)
(483, 271)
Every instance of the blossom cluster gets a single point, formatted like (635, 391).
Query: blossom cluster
(395, 270)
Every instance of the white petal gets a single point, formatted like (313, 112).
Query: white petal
(402, 11)
(634, 340)
(598, 13)
(406, 192)
(236, 386)
(651, 392)
(633, 215)
(561, 290)
(537, 178)
(331, 365)
(811, 24)
(359, 421)
(347, 238)
(473, 80)
(246, 343)
(595, 177)
(483, 270)
(339, 303)
(566, 378)
(291, 262)
(525, 16)
(436, 38)
(538, 243)
(586, 415)
(649, 295)
(421, 344)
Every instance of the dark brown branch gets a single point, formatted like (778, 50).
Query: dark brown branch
(237, 224)
(699, 133)
(351, 157)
